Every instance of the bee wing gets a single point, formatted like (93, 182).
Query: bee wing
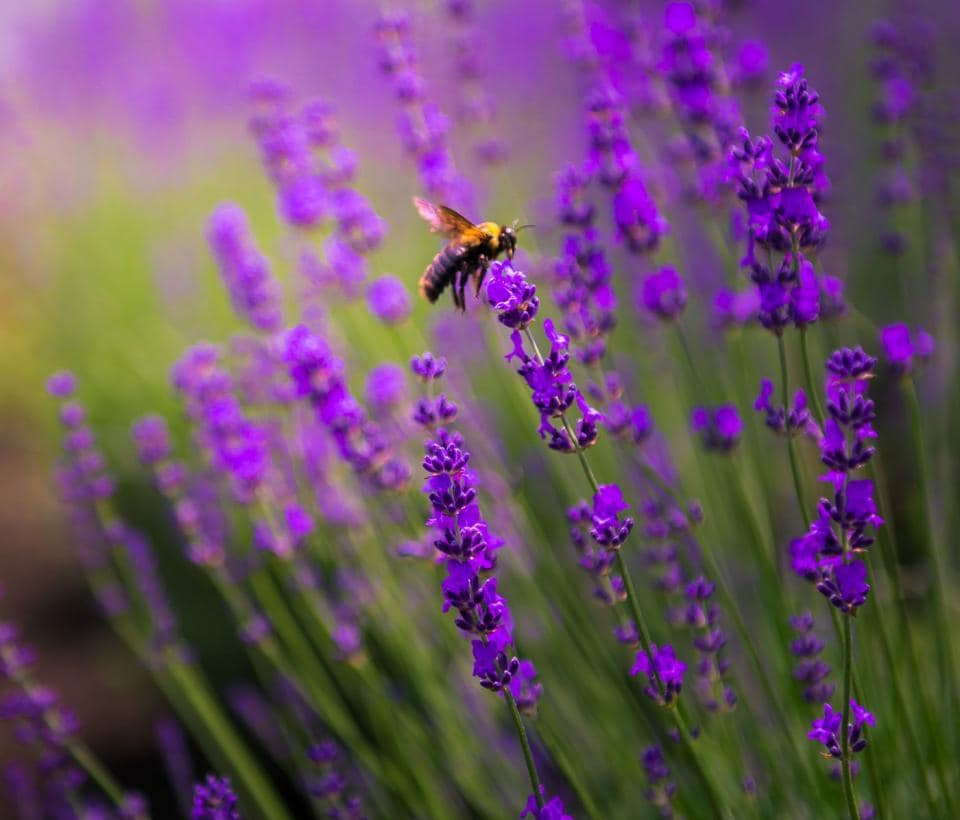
(444, 220)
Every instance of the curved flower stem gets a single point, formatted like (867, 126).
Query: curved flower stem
(812, 393)
(525, 745)
(712, 795)
(633, 602)
(794, 469)
(845, 724)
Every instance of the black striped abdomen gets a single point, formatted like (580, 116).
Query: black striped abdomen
(441, 272)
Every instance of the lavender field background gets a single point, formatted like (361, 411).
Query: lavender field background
(206, 217)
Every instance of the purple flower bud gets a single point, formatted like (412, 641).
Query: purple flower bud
(664, 294)
(389, 300)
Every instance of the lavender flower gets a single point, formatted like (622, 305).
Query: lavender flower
(318, 375)
(709, 642)
(719, 428)
(831, 553)
(826, 730)
(662, 663)
(464, 537)
(214, 799)
(552, 388)
(810, 670)
(795, 420)
(901, 347)
(660, 789)
(664, 294)
(254, 292)
(388, 300)
(781, 198)
(552, 809)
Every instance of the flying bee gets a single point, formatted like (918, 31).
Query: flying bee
(468, 253)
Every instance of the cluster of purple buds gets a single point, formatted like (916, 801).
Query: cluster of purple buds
(704, 617)
(810, 670)
(430, 411)
(40, 720)
(831, 552)
(634, 424)
(329, 785)
(826, 730)
(464, 539)
(781, 197)
(236, 445)
(582, 273)
(792, 421)
(664, 673)
(902, 348)
(199, 522)
(552, 809)
(214, 799)
(477, 109)
(594, 558)
(613, 161)
(698, 88)
(318, 375)
(423, 128)
(663, 294)
(81, 474)
(718, 428)
(551, 384)
(313, 172)
(900, 67)
(255, 294)
(660, 789)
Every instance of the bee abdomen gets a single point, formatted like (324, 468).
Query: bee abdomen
(440, 272)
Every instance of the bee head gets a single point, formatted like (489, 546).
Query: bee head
(508, 240)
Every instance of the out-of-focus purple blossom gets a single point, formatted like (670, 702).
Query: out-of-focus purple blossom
(735, 308)
(254, 292)
(810, 671)
(660, 789)
(753, 62)
(386, 387)
(719, 428)
(664, 294)
(152, 439)
(214, 799)
(692, 65)
(428, 367)
(62, 384)
(318, 375)
(525, 689)
(176, 758)
(423, 129)
(796, 419)
(389, 300)
(901, 347)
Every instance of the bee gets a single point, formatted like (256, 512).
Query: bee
(468, 253)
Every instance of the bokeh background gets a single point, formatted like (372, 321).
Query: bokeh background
(123, 124)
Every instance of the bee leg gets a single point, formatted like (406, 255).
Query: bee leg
(462, 286)
(481, 275)
(453, 293)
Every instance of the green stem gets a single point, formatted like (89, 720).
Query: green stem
(249, 776)
(794, 468)
(845, 724)
(525, 746)
(812, 393)
(715, 804)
